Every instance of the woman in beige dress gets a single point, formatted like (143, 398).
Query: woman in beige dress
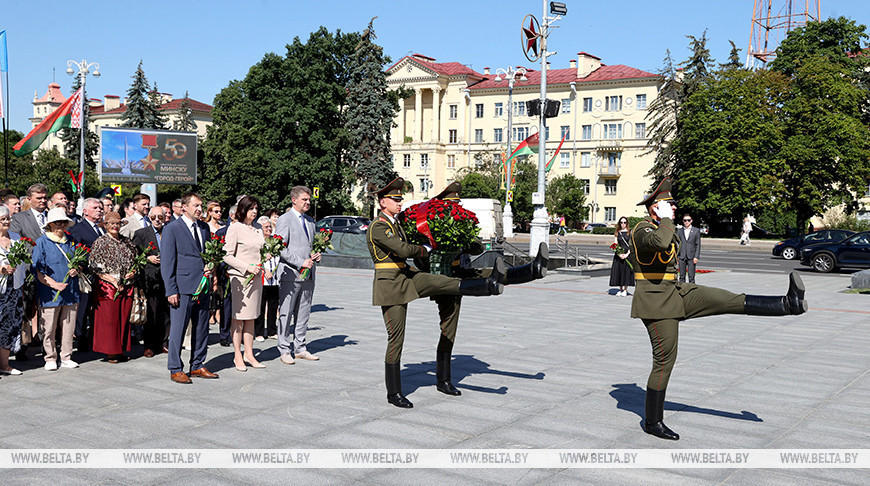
(243, 243)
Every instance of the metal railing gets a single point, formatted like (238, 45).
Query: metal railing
(569, 251)
(515, 253)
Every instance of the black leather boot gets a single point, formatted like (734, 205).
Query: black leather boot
(442, 374)
(655, 410)
(393, 378)
(492, 285)
(792, 303)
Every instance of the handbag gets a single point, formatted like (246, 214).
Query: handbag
(140, 308)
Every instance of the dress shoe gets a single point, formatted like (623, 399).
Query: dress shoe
(307, 355)
(254, 365)
(148, 353)
(180, 377)
(10, 372)
(68, 364)
(287, 359)
(225, 343)
(203, 373)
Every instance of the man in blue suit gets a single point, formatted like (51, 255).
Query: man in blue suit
(182, 268)
(86, 232)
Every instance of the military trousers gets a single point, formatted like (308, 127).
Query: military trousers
(699, 301)
(426, 285)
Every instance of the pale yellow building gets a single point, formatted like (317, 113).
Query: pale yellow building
(107, 113)
(458, 115)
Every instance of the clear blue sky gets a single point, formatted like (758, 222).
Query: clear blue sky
(200, 45)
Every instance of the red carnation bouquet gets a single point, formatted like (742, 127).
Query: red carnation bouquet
(212, 256)
(444, 225)
(618, 250)
(320, 244)
(77, 261)
(272, 248)
(19, 254)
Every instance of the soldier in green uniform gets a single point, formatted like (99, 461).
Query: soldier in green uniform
(396, 283)
(449, 305)
(662, 302)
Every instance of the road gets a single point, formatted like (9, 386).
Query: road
(757, 261)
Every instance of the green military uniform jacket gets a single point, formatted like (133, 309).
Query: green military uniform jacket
(656, 247)
(389, 249)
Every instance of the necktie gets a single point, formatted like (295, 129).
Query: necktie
(196, 236)
(157, 237)
(304, 226)
(42, 222)
(98, 230)
(145, 222)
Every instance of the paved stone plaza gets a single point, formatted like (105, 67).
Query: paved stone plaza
(555, 364)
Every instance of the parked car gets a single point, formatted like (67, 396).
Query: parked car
(790, 249)
(344, 224)
(591, 226)
(853, 252)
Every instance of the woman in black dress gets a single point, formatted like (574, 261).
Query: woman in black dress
(621, 274)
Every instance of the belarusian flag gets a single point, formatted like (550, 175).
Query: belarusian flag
(526, 147)
(550, 163)
(59, 118)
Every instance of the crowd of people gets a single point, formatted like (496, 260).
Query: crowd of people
(120, 274)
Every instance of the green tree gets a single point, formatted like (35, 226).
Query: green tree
(185, 122)
(140, 112)
(282, 125)
(566, 196)
(156, 100)
(71, 137)
(369, 117)
(838, 40)
(733, 58)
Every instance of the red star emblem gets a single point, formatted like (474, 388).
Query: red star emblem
(531, 37)
(149, 163)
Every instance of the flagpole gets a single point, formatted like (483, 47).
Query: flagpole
(83, 71)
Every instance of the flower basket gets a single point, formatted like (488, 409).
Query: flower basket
(441, 262)
(444, 225)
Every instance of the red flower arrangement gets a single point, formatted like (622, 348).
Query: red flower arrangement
(450, 227)
(77, 261)
(212, 256)
(618, 250)
(320, 244)
(272, 248)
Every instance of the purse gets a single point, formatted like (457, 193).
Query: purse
(138, 313)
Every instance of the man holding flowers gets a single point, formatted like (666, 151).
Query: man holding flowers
(396, 284)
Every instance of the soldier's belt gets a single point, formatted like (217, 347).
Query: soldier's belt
(654, 276)
(389, 265)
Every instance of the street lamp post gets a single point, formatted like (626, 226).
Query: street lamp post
(540, 231)
(510, 74)
(83, 68)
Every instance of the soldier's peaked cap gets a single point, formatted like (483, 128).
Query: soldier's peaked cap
(662, 193)
(392, 189)
(452, 192)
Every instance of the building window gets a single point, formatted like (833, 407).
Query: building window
(453, 138)
(610, 187)
(565, 132)
(587, 132)
(612, 130)
(585, 184)
(520, 133)
(451, 161)
(585, 159)
(610, 214)
(587, 105)
(424, 161)
(566, 105)
(478, 135)
(478, 110)
(640, 130)
(564, 160)
(641, 101)
(424, 182)
(499, 109)
(454, 109)
(497, 135)
(613, 163)
(613, 103)
(519, 108)
(406, 161)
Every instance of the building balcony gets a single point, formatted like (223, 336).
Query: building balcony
(609, 146)
(609, 172)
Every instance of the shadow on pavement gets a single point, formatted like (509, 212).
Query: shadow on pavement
(323, 308)
(416, 375)
(631, 397)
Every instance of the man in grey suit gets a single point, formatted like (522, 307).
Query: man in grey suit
(690, 248)
(139, 219)
(31, 222)
(294, 293)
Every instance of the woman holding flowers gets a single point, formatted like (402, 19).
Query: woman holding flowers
(57, 290)
(621, 274)
(12, 275)
(112, 258)
(243, 244)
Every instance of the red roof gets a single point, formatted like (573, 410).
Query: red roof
(445, 68)
(172, 105)
(564, 76)
(53, 94)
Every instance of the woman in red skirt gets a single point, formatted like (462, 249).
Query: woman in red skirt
(111, 259)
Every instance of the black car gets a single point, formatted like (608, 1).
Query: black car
(853, 252)
(790, 249)
(344, 224)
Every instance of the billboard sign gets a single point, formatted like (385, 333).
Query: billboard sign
(147, 156)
